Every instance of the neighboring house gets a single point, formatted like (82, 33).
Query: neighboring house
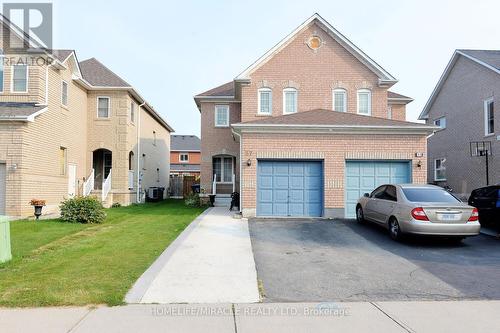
(308, 128)
(185, 155)
(465, 105)
(69, 128)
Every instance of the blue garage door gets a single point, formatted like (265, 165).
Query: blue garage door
(289, 188)
(363, 177)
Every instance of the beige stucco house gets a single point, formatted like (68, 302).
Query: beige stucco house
(308, 128)
(75, 128)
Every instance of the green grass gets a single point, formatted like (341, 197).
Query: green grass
(58, 263)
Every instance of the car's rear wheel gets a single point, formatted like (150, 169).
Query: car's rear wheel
(394, 229)
(360, 218)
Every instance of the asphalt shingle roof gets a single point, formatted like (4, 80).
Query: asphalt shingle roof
(184, 143)
(329, 117)
(227, 89)
(18, 110)
(391, 94)
(490, 57)
(61, 55)
(99, 75)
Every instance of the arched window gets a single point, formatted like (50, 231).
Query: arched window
(265, 101)
(339, 100)
(289, 100)
(131, 160)
(364, 101)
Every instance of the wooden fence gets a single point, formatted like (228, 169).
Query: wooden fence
(180, 186)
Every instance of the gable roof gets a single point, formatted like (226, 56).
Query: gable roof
(384, 76)
(62, 55)
(98, 75)
(486, 58)
(226, 89)
(185, 143)
(395, 98)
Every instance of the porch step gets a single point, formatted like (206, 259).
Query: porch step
(222, 201)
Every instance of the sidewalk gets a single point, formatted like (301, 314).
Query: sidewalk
(210, 262)
(449, 316)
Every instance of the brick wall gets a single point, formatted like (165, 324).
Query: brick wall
(194, 157)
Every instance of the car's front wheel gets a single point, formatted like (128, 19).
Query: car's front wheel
(395, 230)
(360, 218)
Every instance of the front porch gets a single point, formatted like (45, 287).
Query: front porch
(224, 180)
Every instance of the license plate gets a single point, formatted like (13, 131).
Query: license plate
(449, 217)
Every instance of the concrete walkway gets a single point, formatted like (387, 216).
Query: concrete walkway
(210, 262)
(447, 316)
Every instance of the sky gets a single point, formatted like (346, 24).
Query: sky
(172, 50)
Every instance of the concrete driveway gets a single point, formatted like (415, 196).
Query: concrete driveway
(303, 260)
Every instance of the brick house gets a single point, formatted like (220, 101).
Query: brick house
(185, 155)
(69, 127)
(308, 128)
(464, 104)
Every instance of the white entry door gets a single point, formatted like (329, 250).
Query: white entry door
(71, 180)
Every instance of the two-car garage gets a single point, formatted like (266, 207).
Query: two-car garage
(296, 188)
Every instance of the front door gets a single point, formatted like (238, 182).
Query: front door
(71, 180)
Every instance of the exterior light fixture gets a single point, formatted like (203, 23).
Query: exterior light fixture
(249, 162)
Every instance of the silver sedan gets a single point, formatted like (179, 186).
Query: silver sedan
(418, 209)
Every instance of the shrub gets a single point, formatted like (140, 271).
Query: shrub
(116, 205)
(82, 210)
(193, 200)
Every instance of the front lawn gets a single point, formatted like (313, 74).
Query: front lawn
(57, 263)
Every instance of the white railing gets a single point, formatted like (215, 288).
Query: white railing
(234, 183)
(106, 186)
(214, 185)
(131, 179)
(88, 185)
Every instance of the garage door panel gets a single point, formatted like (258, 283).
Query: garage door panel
(294, 188)
(364, 176)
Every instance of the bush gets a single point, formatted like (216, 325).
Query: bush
(193, 200)
(82, 210)
(116, 205)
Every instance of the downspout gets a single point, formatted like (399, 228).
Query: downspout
(241, 169)
(138, 190)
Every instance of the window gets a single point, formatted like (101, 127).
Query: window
(223, 169)
(389, 112)
(265, 101)
(489, 117)
(339, 100)
(364, 102)
(2, 59)
(440, 169)
(222, 115)
(183, 157)
(378, 192)
(19, 78)
(289, 100)
(132, 112)
(441, 122)
(428, 195)
(102, 107)
(390, 193)
(62, 160)
(64, 93)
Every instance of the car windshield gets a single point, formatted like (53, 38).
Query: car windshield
(428, 195)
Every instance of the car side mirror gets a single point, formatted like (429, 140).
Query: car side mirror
(366, 195)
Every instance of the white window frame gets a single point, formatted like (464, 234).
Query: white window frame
(226, 107)
(259, 91)
(344, 92)
(365, 91)
(286, 90)
(440, 119)
(486, 103)
(12, 79)
(443, 160)
(109, 106)
(62, 93)
(223, 173)
(183, 154)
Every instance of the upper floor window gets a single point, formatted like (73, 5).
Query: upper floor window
(440, 169)
(389, 112)
(339, 100)
(132, 112)
(64, 93)
(364, 101)
(289, 100)
(102, 107)
(183, 157)
(1, 70)
(20, 78)
(489, 117)
(222, 115)
(441, 122)
(265, 102)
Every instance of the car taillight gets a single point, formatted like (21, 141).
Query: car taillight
(474, 216)
(419, 214)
